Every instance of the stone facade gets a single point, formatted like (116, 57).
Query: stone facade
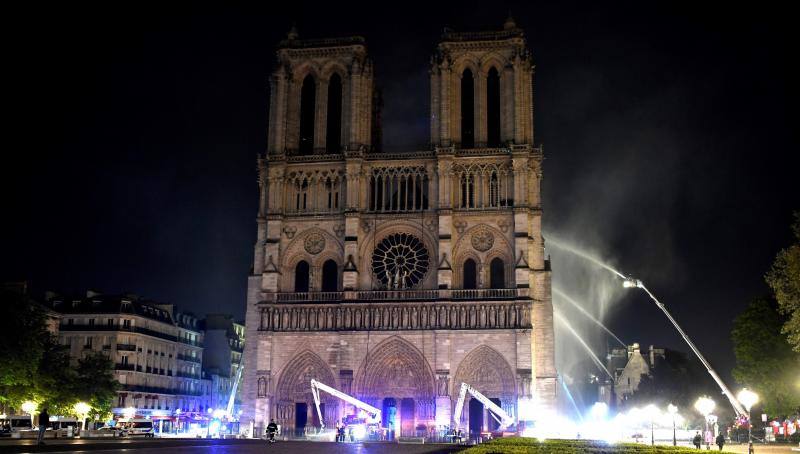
(394, 277)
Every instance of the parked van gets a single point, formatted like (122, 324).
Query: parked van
(135, 427)
(65, 426)
(18, 422)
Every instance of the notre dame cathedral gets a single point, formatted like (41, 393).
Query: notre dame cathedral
(395, 277)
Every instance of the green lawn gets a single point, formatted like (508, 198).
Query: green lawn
(531, 445)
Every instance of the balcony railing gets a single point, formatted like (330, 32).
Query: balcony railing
(187, 375)
(124, 366)
(189, 358)
(194, 343)
(158, 390)
(399, 295)
(126, 347)
(130, 329)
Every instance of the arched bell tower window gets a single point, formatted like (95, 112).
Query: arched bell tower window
(467, 110)
(334, 128)
(330, 276)
(497, 271)
(301, 275)
(493, 109)
(308, 104)
(470, 274)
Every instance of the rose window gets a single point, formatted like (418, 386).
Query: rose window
(400, 261)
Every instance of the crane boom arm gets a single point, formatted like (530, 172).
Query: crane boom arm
(317, 386)
(505, 419)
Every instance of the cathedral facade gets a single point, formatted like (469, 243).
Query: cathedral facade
(395, 277)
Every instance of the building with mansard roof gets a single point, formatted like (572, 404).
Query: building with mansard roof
(395, 277)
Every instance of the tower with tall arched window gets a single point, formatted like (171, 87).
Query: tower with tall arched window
(394, 277)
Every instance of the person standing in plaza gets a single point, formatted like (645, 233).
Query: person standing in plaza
(720, 441)
(697, 440)
(44, 420)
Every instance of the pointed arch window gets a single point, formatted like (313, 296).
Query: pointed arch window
(330, 276)
(497, 271)
(334, 124)
(470, 274)
(301, 276)
(467, 109)
(308, 103)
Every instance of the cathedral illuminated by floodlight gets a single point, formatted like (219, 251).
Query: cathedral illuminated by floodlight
(396, 277)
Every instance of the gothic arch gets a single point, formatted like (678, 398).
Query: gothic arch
(493, 60)
(466, 62)
(395, 368)
(296, 251)
(485, 369)
(294, 384)
(500, 247)
(458, 268)
(334, 67)
(301, 71)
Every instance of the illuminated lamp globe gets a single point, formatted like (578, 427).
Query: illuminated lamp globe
(29, 407)
(672, 409)
(747, 398)
(82, 408)
(704, 405)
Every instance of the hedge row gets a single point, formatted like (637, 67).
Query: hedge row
(516, 445)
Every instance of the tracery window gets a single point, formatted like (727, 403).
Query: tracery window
(315, 191)
(483, 186)
(398, 189)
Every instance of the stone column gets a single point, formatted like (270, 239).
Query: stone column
(445, 83)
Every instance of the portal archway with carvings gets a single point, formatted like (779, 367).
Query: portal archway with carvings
(396, 377)
(294, 404)
(485, 369)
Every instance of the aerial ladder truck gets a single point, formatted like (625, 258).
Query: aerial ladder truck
(316, 387)
(497, 413)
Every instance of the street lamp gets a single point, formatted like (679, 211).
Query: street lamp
(82, 409)
(748, 399)
(652, 413)
(29, 407)
(672, 409)
(704, 406)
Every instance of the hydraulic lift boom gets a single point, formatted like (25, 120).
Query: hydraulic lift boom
(497, 413)
(316, 387)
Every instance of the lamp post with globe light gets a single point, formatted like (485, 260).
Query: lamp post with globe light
(704, 406)
(748, 399)
(672, 409)
(29, 407)
(82, 409)
(652, 413)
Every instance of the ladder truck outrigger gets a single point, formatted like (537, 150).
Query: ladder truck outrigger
(497, 413)
(316, 387)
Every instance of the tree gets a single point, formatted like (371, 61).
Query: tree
(764, 361)
(21, 347)
(95, 383)
(784, 279)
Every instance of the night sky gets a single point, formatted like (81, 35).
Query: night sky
(668, 129)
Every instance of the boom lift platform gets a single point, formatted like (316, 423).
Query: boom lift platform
(497, 413)
(316, 387)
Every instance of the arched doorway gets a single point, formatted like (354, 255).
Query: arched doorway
(295, 409)
(497, 272)
(330, 276)
(487, 371)
(301, 276)
(395, 375)
(470, 274)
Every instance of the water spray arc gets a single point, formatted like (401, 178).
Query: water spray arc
(584, 255)
(594, 357)
(737, 406)
(569, 395)
(567, 298)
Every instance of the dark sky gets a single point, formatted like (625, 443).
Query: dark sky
(668, 127)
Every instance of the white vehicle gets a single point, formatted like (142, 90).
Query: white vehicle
(135, 427)
(18, 422)
(63, 425)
